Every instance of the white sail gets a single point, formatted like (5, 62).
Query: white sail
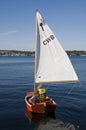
(51, 61)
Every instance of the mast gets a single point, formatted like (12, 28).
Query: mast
(35, 52)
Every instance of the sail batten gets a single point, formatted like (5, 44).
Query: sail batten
(52, 63)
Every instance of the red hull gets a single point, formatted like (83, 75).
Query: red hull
(37, 117)
(40, 107)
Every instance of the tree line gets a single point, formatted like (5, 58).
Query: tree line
(32, 53)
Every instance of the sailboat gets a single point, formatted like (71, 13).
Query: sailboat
(52, 65)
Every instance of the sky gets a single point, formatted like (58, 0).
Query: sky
(66, 18)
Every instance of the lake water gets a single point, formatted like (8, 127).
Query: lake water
(16, 79)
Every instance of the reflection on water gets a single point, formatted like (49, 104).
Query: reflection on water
(48, 122)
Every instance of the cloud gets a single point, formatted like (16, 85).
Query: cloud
(9, 32)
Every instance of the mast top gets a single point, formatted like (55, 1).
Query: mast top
(36, 10)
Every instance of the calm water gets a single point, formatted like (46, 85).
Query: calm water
(16, 79)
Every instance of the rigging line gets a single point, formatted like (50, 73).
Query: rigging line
(68, 92)
(47, 87)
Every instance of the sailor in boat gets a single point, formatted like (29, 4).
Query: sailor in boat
(41, 93)
(39, 96)
(43, 98)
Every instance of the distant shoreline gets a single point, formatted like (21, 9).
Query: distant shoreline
(32, 53)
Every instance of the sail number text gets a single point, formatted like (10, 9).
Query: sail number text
(49, 39)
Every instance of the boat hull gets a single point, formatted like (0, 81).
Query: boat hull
(40, 107)
(38, 117)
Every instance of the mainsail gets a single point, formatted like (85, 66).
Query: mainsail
(51, 61)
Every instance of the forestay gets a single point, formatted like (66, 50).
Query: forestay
(51, 61)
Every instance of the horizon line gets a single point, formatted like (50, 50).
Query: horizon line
(34, 50)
